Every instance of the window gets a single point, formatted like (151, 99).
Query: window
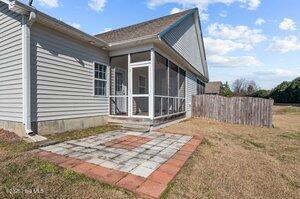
(200, 87)
(100, 79)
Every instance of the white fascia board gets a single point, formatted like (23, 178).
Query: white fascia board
(65, 28)
(51, 22)
(132, 42)
(201, 42)
(182, 59)
(195, 13)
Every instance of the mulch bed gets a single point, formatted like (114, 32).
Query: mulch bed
(7, 136)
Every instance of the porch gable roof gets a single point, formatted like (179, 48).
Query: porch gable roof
(142, 30)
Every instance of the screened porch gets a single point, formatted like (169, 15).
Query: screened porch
(146, 85)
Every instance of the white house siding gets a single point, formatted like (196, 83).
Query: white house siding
(183, 38)
(10, 65)
(191, 89)
(63, 77)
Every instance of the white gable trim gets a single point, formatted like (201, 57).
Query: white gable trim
(170, 38)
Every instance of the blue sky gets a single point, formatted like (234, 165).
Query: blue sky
(253, 39)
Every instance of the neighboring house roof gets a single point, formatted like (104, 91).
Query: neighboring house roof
(141, 30)
(213, 87)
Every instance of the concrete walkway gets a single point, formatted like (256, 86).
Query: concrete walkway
(141, 162)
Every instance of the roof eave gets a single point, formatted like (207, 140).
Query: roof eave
(135, 41)
(47, 20)
(59, 25)
(162, 33)
(191, 67)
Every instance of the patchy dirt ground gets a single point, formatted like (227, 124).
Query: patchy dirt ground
(238, 161)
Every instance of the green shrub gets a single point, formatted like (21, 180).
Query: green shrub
(287, 92)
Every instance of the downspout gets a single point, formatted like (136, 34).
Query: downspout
(26, 70)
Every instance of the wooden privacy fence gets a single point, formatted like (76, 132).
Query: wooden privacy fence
(238, 110)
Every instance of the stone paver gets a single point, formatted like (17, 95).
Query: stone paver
(141, 162)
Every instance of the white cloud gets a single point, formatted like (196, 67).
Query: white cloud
(203, 5)
(223, 14)
(204, 16)
(284, 45)
(233, 61)
(269, 78)
(75, 25)
(97, 5)
(240, 33)
(49, 3)
(224, 39)
(277, 72)
(253, 4)
(260, 21)
(222, 47)
(287, 24)
(105, 30)
(175, 10)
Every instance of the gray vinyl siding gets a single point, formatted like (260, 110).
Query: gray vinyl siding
(11, 99)
(183, 38)
(191, 89)
(63, 70)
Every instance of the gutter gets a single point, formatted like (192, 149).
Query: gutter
(134, 41)
(27, 22)
(51, 22)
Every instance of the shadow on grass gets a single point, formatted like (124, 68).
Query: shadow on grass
(78, 134)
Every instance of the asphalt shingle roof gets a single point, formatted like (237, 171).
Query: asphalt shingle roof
(148, 28)
(213, 87)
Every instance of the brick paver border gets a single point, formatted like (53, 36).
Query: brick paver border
(151, 187)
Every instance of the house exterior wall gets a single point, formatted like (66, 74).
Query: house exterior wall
(63, 78)
(11, 99)
(184, 39)
(191, 89)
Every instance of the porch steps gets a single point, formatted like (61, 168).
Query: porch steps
(132, 124)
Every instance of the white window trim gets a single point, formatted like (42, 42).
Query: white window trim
(104, 80)
(198, 79)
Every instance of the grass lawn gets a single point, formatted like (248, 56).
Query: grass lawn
(24, 176)
(237, 161)
(233, 161)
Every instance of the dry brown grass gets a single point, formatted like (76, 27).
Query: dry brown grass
(234, 161)
(237, 161)
(22, 173)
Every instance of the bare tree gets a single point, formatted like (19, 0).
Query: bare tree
(239, 86)
(251, 87)
(243, 87)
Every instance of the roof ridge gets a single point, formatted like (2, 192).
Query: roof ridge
(145, 22)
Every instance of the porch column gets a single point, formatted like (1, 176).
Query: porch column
(152, 85)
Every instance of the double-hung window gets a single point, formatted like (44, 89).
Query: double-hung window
(200, 87)
(100, 78)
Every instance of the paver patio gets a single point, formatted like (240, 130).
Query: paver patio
(140, 162)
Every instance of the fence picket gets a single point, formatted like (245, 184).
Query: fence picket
(239, 110)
